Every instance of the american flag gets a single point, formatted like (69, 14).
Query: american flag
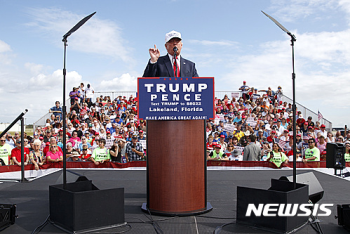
(320, 116)
(282, 144)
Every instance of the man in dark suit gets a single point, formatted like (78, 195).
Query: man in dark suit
(164, 66)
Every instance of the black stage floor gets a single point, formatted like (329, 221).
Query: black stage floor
(32, 201)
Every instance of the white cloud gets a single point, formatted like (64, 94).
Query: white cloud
(34, 68)
(290, 10)
(125, 82)
(35, 90)
(345, 5)
(95, 36)
(5, 53)
(4, 47)
(322, 74)
(325, 46)
(55, 80)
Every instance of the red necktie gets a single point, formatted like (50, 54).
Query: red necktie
(176, 74)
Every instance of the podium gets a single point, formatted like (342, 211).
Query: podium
(176, 168)
(175, 110)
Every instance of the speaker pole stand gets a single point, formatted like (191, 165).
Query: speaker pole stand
(293, 39)
(64, 112)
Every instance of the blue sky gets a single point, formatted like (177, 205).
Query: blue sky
(229, 40)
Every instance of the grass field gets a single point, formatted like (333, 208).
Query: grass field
(29, 131)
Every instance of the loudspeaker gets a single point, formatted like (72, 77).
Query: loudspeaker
(7, 215)
(280, 192)
(71, 177)
(81, 207)
(343, 212)
(335, 155)
(315, 189)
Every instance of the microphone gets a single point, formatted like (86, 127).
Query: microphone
(175, 51)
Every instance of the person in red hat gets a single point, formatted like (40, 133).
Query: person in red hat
(75, 106)
(284, 136)
(300, 120)
(217, 154)
(299, 140)
(311, 132)
(141, 135)
(323, 130)
(272, 137)
(304, 128)
(223, 143)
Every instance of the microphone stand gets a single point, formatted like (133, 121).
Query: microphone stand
(293, 39)
(64, 40)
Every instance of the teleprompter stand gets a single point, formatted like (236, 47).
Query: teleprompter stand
(176, 168)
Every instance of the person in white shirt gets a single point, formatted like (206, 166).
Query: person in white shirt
(279, 94)
(322, 131)
(280, 128)
(96, 126)
(89, 93)
(284, 136)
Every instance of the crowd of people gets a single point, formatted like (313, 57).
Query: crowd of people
(97, 130)
(258, 126)
(254, 126)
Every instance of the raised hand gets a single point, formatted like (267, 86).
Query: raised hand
(154, 53)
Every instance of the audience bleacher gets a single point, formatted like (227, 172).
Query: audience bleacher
(95, 125)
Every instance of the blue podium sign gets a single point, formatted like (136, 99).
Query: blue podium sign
(175, 98)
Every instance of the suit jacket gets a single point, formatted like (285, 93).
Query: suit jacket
(164, 68)
(252, 152)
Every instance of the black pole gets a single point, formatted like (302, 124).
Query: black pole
(64, 114)
(65, 36)
(13, 123)
(293, 39)
(22, 150)
(294, 120)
